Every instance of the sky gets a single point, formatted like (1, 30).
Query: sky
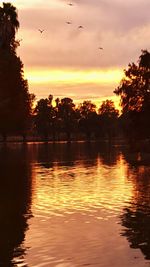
(65, 60)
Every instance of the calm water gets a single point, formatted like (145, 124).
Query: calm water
(74, 205)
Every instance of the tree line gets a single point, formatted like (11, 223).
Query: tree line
(60, 118)
(64, 119)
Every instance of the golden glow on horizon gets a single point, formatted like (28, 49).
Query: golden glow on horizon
(41, 76)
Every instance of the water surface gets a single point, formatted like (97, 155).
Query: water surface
(74, 205)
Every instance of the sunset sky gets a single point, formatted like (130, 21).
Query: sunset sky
(65, 60)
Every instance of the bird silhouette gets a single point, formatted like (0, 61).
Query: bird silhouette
(41, 31)
(70, 4)
(68, 22)
(80, 27)
(100, 48)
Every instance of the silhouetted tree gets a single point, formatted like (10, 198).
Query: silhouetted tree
(67, 116)
(9, 24)
(144, 61)
(15, 100)
(108, 116)
(88, 118)
(15, 104)
(45, 116)
(134, 91)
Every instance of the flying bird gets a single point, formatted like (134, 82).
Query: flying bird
(70, 4)
(80, 27)
(41, 31)
(100, 48)
(69, 22)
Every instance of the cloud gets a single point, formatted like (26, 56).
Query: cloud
(115, 25)
(121, 27)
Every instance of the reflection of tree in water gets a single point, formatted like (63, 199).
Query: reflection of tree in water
(136, 218)
(15, 200)
(109, 155)
(137, 229)
(65, 154)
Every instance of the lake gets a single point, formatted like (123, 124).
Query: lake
(73, 205)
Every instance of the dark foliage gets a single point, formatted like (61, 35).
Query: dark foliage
(15, 100)
(134, 91)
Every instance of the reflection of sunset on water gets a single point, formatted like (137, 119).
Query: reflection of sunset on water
(79, 192)
(82, 198)
(61, 190)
